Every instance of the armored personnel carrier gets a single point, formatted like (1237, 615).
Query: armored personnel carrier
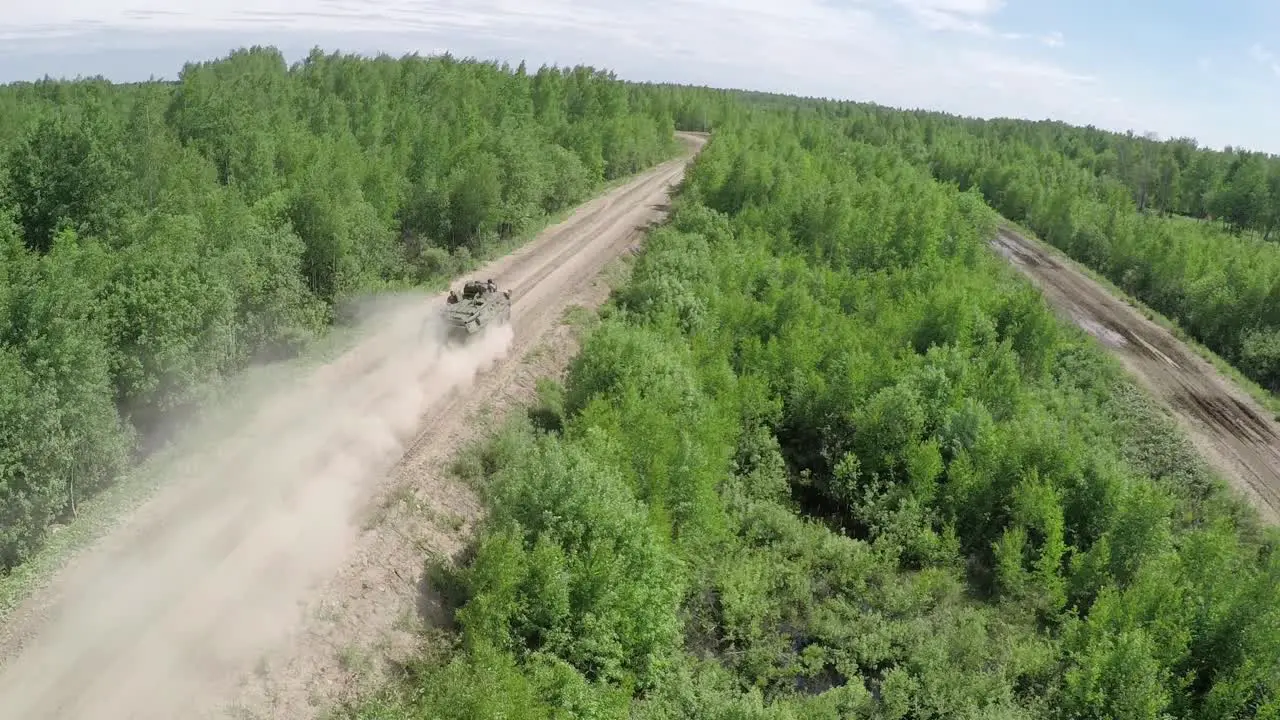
(480, 306)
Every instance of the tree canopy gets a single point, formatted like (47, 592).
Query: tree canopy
(157, 238)
(825, 455)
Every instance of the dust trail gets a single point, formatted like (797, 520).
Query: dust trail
(209, 575)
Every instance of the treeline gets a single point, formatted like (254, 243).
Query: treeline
(1222, 287)
(157, 237)
(827, 457)
(1239, 187)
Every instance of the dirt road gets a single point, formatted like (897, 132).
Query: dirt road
(260, 582)
(1235, 435)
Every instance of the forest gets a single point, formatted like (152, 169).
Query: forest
(824, 455)
(157, 238)
(1189, 231)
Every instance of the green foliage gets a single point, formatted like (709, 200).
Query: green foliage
(1187, 230)
(824, 457)
(63, 173)
(895, 484)
(61, 436)
(570, 568)
(489, 684)
(176, 232)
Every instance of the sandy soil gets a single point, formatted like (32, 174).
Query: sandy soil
(1237, 436)
(266, 579)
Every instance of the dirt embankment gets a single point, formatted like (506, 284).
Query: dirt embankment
(1236, 436)
(260, 582)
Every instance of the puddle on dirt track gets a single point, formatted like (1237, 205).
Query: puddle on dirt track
(1109, 337)
(1238, 438)
(1019, 254)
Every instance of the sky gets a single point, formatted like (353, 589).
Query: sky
(1173, 67)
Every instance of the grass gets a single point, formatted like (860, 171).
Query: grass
(577, 316)
(618, 272)
(227, 409)
(353, 660)
(401, 494)
(1264, 397)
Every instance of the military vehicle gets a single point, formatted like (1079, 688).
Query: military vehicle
(480, 306)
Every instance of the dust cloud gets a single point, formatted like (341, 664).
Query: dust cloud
(163, 618)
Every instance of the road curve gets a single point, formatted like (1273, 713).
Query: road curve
(1236, 436)
(241, 580)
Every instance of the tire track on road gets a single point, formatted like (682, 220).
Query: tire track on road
(1234, 434)
(215, 581)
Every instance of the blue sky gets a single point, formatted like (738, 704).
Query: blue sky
(1175, 67)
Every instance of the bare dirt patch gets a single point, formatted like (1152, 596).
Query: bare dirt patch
(265, 582)
(1235, 434)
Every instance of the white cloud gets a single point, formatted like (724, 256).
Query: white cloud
(860, 50)
(966, 16)
(958, 7)
(1053, 39)
(1265, 58)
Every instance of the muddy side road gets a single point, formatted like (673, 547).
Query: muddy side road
(255, 582)
(1236, 436)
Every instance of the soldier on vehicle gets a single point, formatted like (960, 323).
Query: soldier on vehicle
(453, 297)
